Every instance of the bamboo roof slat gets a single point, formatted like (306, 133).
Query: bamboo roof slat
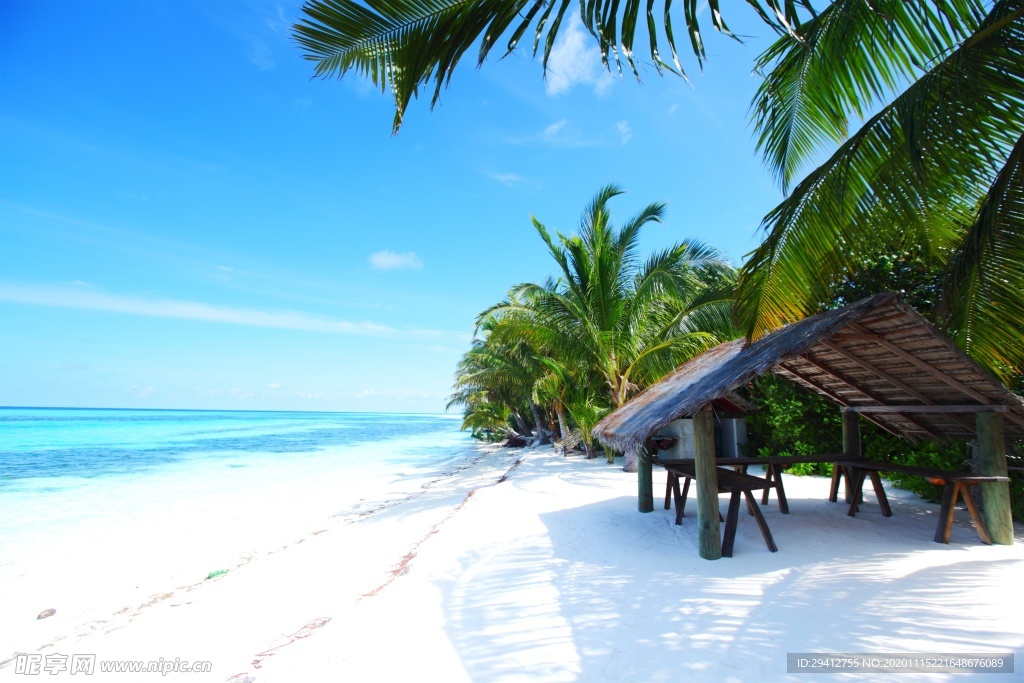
(875, 352)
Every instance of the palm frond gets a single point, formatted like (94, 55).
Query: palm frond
(404, 45)
(849, 57)
(984, 289)
(915, 170)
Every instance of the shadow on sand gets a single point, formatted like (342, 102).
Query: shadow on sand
(610, 594)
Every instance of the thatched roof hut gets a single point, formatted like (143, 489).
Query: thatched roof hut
(876, 352)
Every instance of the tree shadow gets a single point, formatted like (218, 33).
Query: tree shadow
(605, 593)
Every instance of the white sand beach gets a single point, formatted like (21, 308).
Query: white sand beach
(545, 571)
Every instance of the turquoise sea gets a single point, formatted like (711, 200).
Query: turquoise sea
(44, 448)
(119, 498)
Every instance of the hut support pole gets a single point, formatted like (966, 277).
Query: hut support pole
(644, 480)
(709, 536)
(851, 445)
(995, 496)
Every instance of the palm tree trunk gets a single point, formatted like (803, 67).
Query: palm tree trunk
(631, 463)
(541, 432)
(524, 430)
(563, 426)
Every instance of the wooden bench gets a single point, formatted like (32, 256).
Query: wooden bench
(956, 486)
(774, 466)
(733, 483)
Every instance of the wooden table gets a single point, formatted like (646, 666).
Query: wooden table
(733, 483)
(955, 486)
(773, 467)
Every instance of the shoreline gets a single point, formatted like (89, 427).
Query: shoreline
(525, 564)
(104, 577)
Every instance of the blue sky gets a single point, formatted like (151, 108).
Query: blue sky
(188, 220)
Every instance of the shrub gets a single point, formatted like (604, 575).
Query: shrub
(793, 421)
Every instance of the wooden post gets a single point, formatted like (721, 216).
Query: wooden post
(851, 445)
(709, 533)
(995, 496)
(644, 479)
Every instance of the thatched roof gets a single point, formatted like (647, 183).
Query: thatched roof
(876, 352)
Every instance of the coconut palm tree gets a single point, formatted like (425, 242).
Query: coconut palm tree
(937, 169)
(495, 378)
(939, 163)
(405, 45)
(611, 324)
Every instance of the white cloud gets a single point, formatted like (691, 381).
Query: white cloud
(260, 55)
(139, 391)
(625, 132)
(508, 179)
(311, 394)
(563, 134)
(576, 60)
(71, 297)
(392, 260)
(274, 385)
(227, 273)
(515, 180)
(552, 131)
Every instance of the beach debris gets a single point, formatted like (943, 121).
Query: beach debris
(46, 613)
(215, 574)
(303, 632)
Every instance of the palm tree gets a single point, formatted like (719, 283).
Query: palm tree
(609, 324)
(405, 45)
(495, 378)
(940, 165)
(937, 170)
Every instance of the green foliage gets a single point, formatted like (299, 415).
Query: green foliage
(907, 271)
(610, 323)
(486, 421)
(1017, 491)
(938, 170)
(791, 421)
(611, 318)
(879, 444)
(408, 46)
(938, 163)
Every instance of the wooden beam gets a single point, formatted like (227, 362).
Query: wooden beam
(814, 383)
(914, 360)
(870, 367)
(995, 408)
(995, 496)
(857, 360)
(705, 466)
(874, 397)
(887, 318)
(852, 336)
(644, 480)
(1010, 415)
(831, 394)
